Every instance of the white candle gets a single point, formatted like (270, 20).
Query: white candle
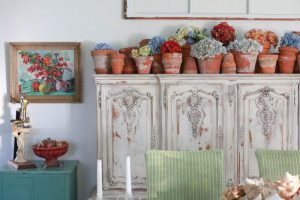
(99, 179)
(128, 176)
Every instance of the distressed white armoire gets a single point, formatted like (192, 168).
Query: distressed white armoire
(236, 113)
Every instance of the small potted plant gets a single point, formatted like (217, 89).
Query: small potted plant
(225, 33)
(155, 44)
(142, 58)
(245, 54)
(209, 54)
(117, 63)
(287, 52)
(129, 63)
(171, 57)
(265, 38)
(186, 36)
(101, 56)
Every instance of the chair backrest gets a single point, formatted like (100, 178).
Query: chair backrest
(185, 175)
(274, 163)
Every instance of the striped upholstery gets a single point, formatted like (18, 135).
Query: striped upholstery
(274, 163)
(185, 175)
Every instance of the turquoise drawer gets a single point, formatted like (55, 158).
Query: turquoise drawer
(39, 184)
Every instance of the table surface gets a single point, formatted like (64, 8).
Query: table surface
(68, 167)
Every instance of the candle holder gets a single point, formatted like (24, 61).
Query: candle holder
(127, 196)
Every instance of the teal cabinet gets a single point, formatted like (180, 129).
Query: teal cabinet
(39, 184)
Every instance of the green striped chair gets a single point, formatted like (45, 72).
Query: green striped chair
(185, 175)
(274, 163)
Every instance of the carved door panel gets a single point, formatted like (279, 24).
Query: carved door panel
(196, 116)
(129, 126)
(267, 116)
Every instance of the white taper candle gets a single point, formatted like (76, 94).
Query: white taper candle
(99, 179)
(128, 176)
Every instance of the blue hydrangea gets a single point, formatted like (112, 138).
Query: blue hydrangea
(290, 40)
(103, 46)
(190, 38)
(155, 44)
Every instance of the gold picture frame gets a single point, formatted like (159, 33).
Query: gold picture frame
(46, 72)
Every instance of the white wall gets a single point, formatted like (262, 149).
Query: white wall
(87, 22)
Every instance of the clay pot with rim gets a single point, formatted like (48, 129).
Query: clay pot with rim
(286, 59)
(266, 47)
(267, 63)
(144, 42)
(210, 65)
(245, 62)
(228, 64)
(143, 64)
(102, 61)
(157, 66)
(172, 62)
(186, 51)
(129, 66)
(190, 66)
(117, 63)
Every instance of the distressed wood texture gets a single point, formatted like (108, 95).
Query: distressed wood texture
(267, 116)
(128, 126)
(236, 113)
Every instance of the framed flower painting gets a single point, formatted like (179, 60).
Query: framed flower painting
(46, 72)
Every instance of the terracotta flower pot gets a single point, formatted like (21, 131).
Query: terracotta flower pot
(296, 32)
(267, 63)
(157, 66)
(102, 61)
(143, 64)
(144, 42)
(210, 65)
(266, 47)
(288, 50)
(117, 63)
(286, 63)
(190, 66)
(245, 62)
(129, 67)
(172, 62)
(228, 64)
(186, 51)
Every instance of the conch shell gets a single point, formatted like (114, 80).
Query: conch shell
(288, 185)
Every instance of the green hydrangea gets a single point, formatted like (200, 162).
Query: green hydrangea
(142, 51)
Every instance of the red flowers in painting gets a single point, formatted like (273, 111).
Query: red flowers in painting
(48, 67)
(223, 33)
(170, 47)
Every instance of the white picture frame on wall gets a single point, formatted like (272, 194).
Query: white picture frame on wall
(213, 9)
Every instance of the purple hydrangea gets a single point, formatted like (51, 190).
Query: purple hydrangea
(290, 40)
(103, 46)
(155, 44)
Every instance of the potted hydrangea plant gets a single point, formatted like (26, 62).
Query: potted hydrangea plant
(265, 38)
(225, 33)
(155, 44)
(102, 56)
(245, 54)
(171, 57)
(209, 54)
(142, 59)
(186, 36)
(288, 50)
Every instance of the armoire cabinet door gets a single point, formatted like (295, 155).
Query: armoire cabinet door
(128, 124)
(267, 119)
(196, 118)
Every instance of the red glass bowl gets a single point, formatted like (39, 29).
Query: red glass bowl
(51, 154)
